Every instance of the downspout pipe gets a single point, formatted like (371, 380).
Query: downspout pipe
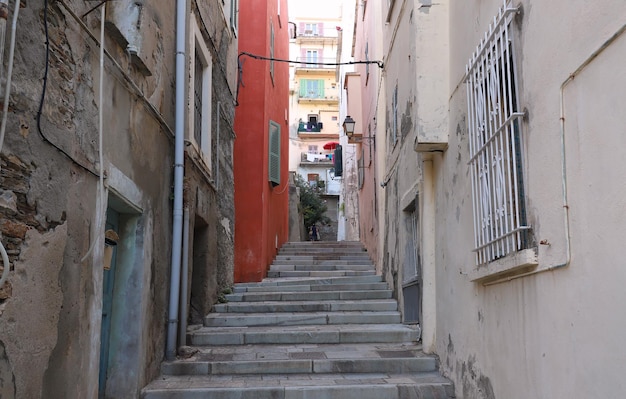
(179, 169)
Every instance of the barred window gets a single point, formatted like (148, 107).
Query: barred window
(494, 119)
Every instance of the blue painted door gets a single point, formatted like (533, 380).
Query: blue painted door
(108, 287)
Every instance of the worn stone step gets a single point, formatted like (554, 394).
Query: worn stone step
(319, 267)
(315, 334)
(330, 273)
(309, 296)
(311, 287)
(291, 319)
(372, 305)
(323, 257)
(301, 386)
(313, 281)
(399, 365)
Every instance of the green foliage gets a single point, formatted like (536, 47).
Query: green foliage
(312, 205)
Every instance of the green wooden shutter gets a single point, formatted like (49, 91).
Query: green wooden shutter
(274, 153)
(303, 87)
(320, 88)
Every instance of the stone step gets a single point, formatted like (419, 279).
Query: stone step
(324, 253)
(311, 287)
(302, 386)
(380, 305)
(312, 280)
(322, 325)
(315, 334)
(301, 366)
(308, 296)
(329, 273)
(319, 267)
(324, 244)
(322, 262)
(291, 319)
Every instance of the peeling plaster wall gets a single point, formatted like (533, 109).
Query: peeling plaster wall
(556, 334)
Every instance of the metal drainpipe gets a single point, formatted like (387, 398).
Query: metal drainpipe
(179, 159)
(5, 111)
(184, 286)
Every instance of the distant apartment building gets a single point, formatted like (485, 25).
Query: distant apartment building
(314, 102)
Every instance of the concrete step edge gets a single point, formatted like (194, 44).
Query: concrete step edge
(400, 365)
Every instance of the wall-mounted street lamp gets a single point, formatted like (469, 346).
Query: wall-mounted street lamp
(348, 127)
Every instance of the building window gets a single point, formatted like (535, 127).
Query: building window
(234, 15)
(394, 116)
(310, 29)
(312, 149)
(313, 178)
(311, 88)
(361, 168)
(274, 153)
(272, 50)
(367, 66)
(311, 58)
(495, 123)
(200, 92)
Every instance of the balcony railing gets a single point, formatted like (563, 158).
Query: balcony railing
(310, 127)
(316, 62)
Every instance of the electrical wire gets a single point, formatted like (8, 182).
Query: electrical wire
(261, 57)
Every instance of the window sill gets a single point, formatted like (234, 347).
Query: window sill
(520, 262)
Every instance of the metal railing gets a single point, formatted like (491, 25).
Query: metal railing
(495, 143)
(316, 62)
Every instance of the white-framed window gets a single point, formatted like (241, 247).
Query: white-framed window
(201, 75)
(495, 145)
(394, 116)
(367, 66)
(310, 29)
(274, 154)
(312, 149)
(231, 13)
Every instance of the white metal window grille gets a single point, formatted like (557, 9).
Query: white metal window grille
(494, 142)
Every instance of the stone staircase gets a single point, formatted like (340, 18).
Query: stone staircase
(322, 325)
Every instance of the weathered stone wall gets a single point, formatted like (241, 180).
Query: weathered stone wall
(51, 307)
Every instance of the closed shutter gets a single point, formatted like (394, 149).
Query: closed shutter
(303, 88)
(320, 88)
(274, 153)
(320, 29)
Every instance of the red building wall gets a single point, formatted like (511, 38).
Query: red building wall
(261, 210)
